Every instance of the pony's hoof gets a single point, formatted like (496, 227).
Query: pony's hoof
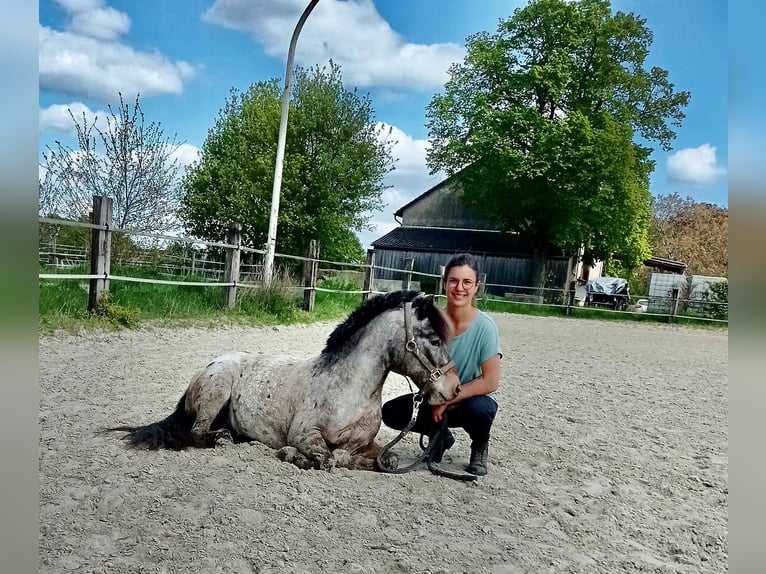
(327, 462)
(388, 461)
(342, 458)
(223, 437)
(294, 456)
(287, 454)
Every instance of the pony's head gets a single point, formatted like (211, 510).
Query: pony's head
(412, 331)
(426, 360)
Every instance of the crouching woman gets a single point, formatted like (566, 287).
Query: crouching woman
(475, 350)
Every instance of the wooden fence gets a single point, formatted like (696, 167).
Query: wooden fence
(233, 278)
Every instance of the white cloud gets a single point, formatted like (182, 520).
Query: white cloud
(103, 24)
(353, 34)
(87, 59)
(409, 179)
(91, 18)
(410, 176)
(695, 165)
(56, 118)
(77, 65)
(73, 6)
(186, 154)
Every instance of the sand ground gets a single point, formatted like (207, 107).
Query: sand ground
(609, 454)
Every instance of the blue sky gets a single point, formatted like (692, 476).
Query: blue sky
(183, 57)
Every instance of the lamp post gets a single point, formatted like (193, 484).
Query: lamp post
(271, 237)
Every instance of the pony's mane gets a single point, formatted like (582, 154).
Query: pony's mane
(378, 304)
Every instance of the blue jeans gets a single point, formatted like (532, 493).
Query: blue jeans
(475, 415)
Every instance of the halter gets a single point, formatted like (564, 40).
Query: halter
(434, 373)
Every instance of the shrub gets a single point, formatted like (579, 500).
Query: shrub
(718, 300)
(115, 314)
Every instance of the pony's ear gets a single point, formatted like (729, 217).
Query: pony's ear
(422, 304)
(422, 300)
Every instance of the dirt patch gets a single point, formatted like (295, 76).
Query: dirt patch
(609, 454)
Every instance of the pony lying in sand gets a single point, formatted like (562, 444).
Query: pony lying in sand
(320, 412)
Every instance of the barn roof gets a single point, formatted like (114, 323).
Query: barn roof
(443, 240)
(666, 264)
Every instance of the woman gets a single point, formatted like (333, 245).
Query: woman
(476, 352)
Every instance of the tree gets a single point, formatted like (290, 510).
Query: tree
(717, 300)
(695, 233)
(540, 123)
(129, 161)
(336, 156)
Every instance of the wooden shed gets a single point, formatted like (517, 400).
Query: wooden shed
(436, 225)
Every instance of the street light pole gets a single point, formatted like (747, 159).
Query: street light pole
(271, 238)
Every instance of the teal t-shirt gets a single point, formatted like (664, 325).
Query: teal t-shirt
(479, 343)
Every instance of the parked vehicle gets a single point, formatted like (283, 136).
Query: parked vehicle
(610, 292)
(642, 305)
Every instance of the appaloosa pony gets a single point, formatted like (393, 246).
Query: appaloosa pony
(320, 412)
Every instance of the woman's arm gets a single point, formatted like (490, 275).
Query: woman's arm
(487, 383)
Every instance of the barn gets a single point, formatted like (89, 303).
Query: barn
(436, 225)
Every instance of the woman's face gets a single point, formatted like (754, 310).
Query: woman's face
(461, 285)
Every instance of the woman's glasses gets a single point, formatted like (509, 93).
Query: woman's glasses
(466, 283)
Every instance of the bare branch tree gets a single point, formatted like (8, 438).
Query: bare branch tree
(128, 160)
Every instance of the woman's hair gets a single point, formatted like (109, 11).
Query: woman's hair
(460, 260)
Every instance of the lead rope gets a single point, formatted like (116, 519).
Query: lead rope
(438, 438)
(426, 455)
(417, 399)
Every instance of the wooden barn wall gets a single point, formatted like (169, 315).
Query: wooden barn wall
(445, 208)
(499, 270)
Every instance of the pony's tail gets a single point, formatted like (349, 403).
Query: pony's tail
(173, 432)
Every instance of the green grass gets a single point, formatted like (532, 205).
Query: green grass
(63, 305)
(497, 305)
(331, 306)
(502, 306)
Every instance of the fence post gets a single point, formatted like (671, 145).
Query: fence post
(482, 285)
(53, 258)
(409, 265)
(687, 294)
(674, 299)
(310, 272)
(571, 276)
(369, 275)
(100, 249)
(570, 296)
(441, 279)
(231, 270)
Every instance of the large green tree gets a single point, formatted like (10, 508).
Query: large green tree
(335, 160)
(547, 124)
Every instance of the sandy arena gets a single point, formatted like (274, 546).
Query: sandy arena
(609, 454)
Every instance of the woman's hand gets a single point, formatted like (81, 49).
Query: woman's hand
(438, 411)
(487, 383)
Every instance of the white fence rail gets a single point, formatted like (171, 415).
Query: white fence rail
(233, 274)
